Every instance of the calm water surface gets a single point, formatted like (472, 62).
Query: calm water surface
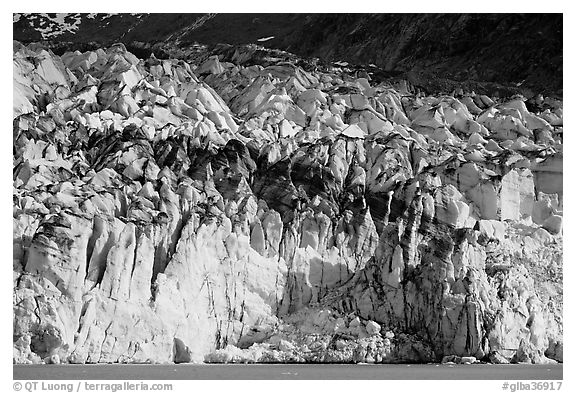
(289, 371)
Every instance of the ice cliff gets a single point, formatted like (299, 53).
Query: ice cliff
(172, 211)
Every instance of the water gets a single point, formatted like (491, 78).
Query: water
(289, 371)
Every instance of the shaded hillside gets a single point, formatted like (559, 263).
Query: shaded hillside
(523, 50)
(499, 48)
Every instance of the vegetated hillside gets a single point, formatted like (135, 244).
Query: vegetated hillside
(431, 50)
(503, 48)
(106, 29)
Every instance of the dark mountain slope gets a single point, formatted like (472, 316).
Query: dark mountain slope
(500, 48)
(519, 50)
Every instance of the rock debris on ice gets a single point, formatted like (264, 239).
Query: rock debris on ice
(174, 212)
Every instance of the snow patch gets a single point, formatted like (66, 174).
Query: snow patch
(265, 39)
(53, 26)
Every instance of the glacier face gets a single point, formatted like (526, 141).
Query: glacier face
(167, 211)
